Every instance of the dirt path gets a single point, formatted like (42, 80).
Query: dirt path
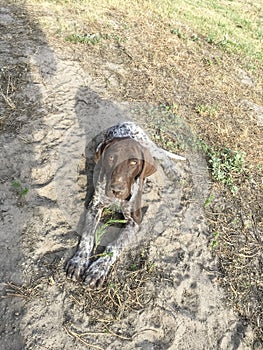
(57, 111)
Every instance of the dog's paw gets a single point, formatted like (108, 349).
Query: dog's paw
(95, 275)
(76, 266)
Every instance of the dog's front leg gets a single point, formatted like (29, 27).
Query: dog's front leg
(77, 265)
(99, 269)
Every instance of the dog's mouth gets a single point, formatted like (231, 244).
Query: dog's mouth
(124, 195)
(118, 194)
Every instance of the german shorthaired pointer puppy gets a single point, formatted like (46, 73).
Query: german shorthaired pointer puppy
(124, 160)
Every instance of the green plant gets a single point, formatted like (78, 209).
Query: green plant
(84, 38)
(112, 285)
(20, 190)
(211, 39)
(215, 241)
(133, 267)
(151, 267)
(207, 110)
(209, 200)
(225, 164)
(92, 38)
(102, 229)
(179, 33)
(114, 37)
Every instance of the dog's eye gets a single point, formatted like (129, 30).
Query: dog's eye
(110, 158)
(133, 162)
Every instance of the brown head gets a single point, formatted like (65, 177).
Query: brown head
(124, 160)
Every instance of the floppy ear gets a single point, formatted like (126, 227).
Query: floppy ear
(100, 149)
(149, 167)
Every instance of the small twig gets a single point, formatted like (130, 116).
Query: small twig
(242, 267)
(118, 297)
(104, 320)
(107, 332)
(15, 291)
(23, 139)
(118, 335)
(233, 290)
(12, 295)
(137, 300)
(76, 300)
(92, 333)
(247, 256)
(111, 298)
(144, 330)
(8, 100)
(78, 337)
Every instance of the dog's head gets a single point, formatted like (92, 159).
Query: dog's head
(123, 161)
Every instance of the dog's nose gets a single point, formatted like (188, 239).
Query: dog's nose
(118, 189)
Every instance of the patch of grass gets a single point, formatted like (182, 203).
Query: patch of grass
(166, 128)
(207, 110)
(13, 82)
(92, 38)
(225, 165)
(83, 39)
(179, 33)
(225, 24)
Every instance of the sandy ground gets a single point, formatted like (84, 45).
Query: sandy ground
(61, 111)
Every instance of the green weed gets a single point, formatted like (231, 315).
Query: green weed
(179, 33)
(225, 165)
(215, 241)
(92, 38)
(20, 190)
(207, 110)
(84, 39)
(102, 229)
(209, 200)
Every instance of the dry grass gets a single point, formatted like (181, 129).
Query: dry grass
(24, 292)
(128, 288)
(222, 23)
(238, 222)
(151, 64)
(12, 82)
(123, 292)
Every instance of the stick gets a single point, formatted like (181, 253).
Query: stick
(75, 335)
